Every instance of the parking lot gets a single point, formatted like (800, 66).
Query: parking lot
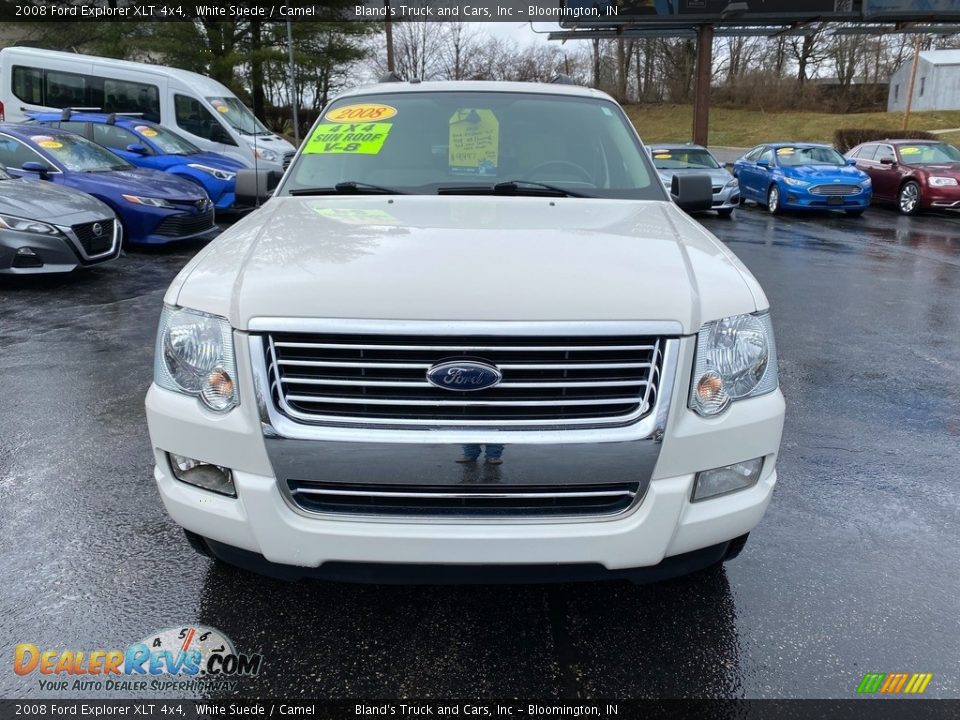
(853, 569)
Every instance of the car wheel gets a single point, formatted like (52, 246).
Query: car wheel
(773, 200)
(909, 198)
(855, 213)
(725, 213)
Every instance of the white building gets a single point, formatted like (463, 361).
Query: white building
(937, 86)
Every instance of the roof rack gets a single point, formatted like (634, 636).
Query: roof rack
(112, 117)
(390, 77)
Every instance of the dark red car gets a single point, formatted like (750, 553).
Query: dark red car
(914, 174)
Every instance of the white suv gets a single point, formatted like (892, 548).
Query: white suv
(471, 335)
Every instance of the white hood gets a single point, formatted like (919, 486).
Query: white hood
(467, 258)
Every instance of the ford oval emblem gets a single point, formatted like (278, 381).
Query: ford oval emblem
(463, 375)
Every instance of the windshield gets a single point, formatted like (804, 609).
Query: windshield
(683, 159)
(238, 115)
(429, 142)
(795, 157)
(167, 141)
(79, 154)
(921, 154)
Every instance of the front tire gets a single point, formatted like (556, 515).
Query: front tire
(726, 213)
(908, 199)
(773, 200)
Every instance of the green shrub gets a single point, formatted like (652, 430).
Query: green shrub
(846, 138)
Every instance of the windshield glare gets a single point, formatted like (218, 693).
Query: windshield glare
(79, 154)
(683, 159)
(426, 142)
(168, 142)
(796, 157)
(238, 115)
(929, 153)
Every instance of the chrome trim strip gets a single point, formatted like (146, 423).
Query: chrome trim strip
(427, 366)
(463, 496)
(469, 327)
(466, 348)
(425, 385)
(361, 400)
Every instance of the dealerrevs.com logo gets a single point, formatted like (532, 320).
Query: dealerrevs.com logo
(194, 657)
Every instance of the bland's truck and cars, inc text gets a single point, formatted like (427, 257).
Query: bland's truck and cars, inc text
(471, 331)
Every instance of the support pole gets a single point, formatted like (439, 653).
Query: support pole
(913, 82)
(293, 85)
(388, 29)
(701, 88)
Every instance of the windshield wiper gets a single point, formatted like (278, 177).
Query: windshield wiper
(510, 187)
(350, 187)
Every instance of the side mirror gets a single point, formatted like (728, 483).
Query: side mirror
(851, 161)
(888, 160)
(138, 149)
(693, 193)
(254, 187)
(763, 162)
(36, 167)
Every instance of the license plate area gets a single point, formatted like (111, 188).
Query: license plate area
(835, 200)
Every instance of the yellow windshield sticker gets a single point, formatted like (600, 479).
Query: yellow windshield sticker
(146, 130)
(910, 150)
(357, 216)
(50, 144)
(368, 112)
(785, 151)
(662, 155)
(347, 139)
(474, 142)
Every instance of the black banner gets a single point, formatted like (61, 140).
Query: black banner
(864, 709)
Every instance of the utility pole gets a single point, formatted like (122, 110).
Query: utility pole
(388, 29)
(701, 89)
(913, 82)
(293, 84)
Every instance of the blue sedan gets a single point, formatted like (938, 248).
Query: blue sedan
(153, 207)
(148, 145)
(802, 176)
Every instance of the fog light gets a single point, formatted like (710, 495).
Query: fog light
(720, 481)
(202, 475)
(27, 258)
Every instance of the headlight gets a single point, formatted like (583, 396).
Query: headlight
(194, 356)
(736, 359)
(148, 201)
(216, 172)
(264, 154)
(9, 222)
(793, 182)
(732, 184)
(868, 183)
(937, 181)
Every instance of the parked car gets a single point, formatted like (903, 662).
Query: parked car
(152, 206)
(802, 176)
(149, 145)
(469, 333)
(46, 228)
(915, 174)
(673, 160)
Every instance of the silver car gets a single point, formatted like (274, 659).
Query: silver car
(673, 160)
(45, 228)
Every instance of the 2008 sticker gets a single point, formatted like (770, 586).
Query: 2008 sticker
(361, 112)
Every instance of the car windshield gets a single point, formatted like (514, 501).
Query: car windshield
(168, 142)
(683, 159)
(798, 156)
(79, 154)
(921, 154)
(238, 115)
(449, 142)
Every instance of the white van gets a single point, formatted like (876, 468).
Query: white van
(199, 108)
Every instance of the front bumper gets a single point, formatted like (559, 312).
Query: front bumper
(663, 523)
(57, 253)
(727, 199)
(795, 198)
(940, 197)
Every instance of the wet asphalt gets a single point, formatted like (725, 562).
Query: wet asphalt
(854, 569)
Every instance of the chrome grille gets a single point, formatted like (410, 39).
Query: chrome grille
(461, 501)
(835, 190)
(381, 379)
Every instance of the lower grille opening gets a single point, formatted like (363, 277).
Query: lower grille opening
(463, 501)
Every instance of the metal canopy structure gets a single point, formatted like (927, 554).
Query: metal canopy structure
(705, 19)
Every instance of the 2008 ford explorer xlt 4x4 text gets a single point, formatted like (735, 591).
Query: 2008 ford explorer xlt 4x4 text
(470, 336)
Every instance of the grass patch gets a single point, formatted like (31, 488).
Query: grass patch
(746, 128)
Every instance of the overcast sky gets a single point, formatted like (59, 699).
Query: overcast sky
(520, 33)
